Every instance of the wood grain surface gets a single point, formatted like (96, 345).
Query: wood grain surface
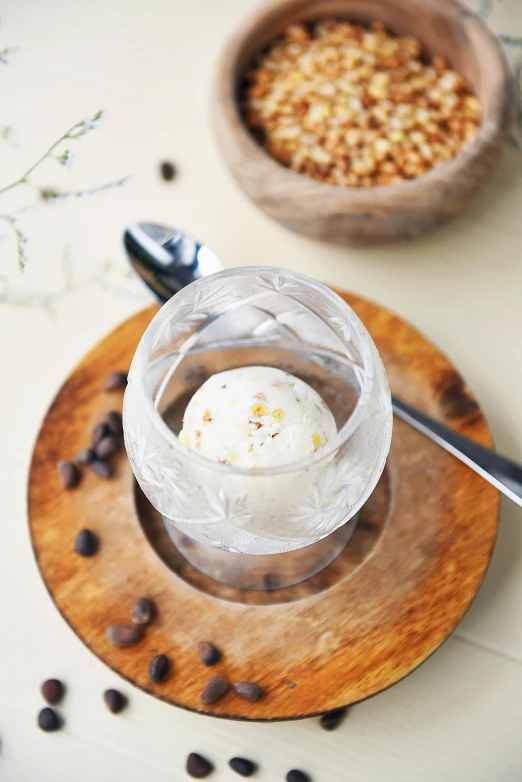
(367, 215)
(424, 543)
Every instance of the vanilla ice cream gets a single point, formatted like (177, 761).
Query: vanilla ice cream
(256, 417)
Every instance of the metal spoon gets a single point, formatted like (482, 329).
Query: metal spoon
(168, 260)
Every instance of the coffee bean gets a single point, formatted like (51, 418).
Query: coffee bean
(243, 766)
(98, 433)
(86, 543)
(271, 581)
(52, 691)
(186, 541)
(114, 422)
(297, 776)
(123, 635)
(70, 475)
(49, 720)
(107, 447)
(115, 701)
(198, 766)
(331, 720)
(158, 668)
(249, 691)
(85, 456)
(168, 171)
(143, 612)
(101, 469)
(214, 691)
(208, 653)
(115, 381)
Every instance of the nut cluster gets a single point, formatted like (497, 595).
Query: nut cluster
(355, 106)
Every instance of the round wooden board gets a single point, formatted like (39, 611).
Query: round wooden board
(404, 582)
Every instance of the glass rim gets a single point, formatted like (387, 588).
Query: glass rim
(139, 362)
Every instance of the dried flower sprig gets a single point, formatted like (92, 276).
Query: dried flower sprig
(21, 239)
(48, 194)
(65, 158)
(511, 40)
(109, 277)
(77, 130)
(514, 42)
(8, 134)
(5, 52)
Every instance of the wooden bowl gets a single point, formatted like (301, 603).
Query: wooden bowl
(367, 215)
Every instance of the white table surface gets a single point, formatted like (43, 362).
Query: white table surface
(149, 65)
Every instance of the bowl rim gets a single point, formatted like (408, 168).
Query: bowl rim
(227, 114)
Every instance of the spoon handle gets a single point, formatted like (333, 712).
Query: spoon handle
(502, 473)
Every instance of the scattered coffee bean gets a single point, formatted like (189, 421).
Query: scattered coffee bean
(115, 381)
(331, 720)
(85, 456)
(186, 541)
(198, 766)
(214, 691)
(114, 422)
(52, 691)
(107, 447)
(143, 612)
(297, 776)
(49, 720)
(243, 766)
(168, 171)
(86, 543)
(208, 653)
(115, 700)
(98, 433)
(158, 668)
(249, 691)
(70, 475)
(271, 581)
(101, 469)
(123, 635)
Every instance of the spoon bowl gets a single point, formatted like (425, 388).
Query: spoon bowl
(166, 259)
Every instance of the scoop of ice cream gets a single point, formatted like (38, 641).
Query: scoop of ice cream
(256, 417)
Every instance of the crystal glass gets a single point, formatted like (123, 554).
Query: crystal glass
(244, 317)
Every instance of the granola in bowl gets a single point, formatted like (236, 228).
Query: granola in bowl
(357, 106)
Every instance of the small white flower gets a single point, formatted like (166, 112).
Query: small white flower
(4, 53)
(86, 125)
(7, 132)
(91, 123)
(66, 159)
(21, 243)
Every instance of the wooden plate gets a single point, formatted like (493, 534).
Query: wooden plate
(404, 582)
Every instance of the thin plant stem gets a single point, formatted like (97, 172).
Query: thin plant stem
(23, 178)
(511, 40)
(58, 195)
(20, 239)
